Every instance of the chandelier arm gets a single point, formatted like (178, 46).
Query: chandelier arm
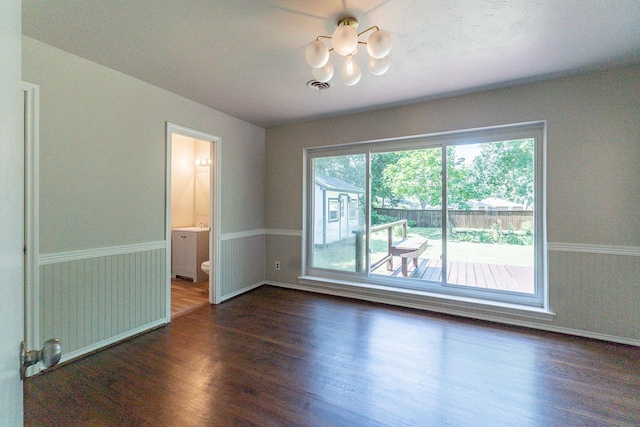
(324, 37)
(369, 29)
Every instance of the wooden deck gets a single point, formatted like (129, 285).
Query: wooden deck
(492, 276)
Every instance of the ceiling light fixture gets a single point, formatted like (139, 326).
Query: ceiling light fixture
(344, 41)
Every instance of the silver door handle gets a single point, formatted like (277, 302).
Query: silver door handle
(49, 356)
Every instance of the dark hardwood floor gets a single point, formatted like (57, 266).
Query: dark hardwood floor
(276, 357)
(187, 295)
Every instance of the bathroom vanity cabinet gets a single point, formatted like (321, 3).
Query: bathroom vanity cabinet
(189, 249)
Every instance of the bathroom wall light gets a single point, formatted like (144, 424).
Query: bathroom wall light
(203, 162)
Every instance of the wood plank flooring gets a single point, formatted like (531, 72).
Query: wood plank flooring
(277, 357)
(492, 276)
(187, 295)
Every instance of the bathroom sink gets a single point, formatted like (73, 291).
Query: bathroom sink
(192, 229)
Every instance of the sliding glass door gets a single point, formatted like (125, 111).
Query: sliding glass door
(337, 212)
(406, 201)
(490, 188)
(376, 213)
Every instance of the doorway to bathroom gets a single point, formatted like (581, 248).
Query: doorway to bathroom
(191, 219)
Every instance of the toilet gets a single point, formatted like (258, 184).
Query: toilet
(205, 267)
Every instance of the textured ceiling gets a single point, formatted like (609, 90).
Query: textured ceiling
(246, 58)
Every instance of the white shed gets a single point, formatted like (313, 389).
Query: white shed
(336, 210)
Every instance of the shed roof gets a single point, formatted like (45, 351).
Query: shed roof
(331, 183)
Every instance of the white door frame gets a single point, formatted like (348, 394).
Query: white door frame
(31, 217)
(214, 235)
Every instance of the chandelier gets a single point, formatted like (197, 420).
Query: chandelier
(344, 42)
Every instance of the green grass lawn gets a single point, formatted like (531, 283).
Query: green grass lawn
(340, 256)
(490, 253)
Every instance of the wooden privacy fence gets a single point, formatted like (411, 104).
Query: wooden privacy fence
(463, 219)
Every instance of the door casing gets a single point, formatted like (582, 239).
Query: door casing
(214, 200)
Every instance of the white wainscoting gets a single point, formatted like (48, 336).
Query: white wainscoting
(92, 298)
(595, 290)
(284, 246)
(241, 262)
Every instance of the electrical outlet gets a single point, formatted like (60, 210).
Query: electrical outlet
(277, 265)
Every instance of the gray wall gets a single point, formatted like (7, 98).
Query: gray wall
(593, 172)
(102, 154)
(102, 195)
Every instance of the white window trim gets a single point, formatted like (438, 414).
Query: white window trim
(535, 304)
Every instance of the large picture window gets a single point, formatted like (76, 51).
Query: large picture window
(460, 213)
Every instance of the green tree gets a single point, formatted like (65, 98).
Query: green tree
(417, 174)
(460, 190)
(504, 170)
(381, 191)
(349, 168)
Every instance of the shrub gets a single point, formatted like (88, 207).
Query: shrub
(527, 228)
(397, 231)
(495, 235)
(377, 219)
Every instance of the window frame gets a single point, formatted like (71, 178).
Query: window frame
(333, 201)
(535, 130)
(353, 209)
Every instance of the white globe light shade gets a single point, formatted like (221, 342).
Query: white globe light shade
(317, 54)
(379, 66)
(344, 39)
(323, 74)
(379, 44)
(350, 75)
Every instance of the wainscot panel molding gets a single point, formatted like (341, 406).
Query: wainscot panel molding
(279, 232)
(286, 249)
(241, 234)
(98, 252)
(242, 262)
(594, 249)
(93, 298)
(598, 293)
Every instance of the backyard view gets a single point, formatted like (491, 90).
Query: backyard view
(488, 228)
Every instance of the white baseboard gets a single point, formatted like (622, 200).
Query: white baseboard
(241, 291)
(113, 340)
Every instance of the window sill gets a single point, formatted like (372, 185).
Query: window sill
(460, 306)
